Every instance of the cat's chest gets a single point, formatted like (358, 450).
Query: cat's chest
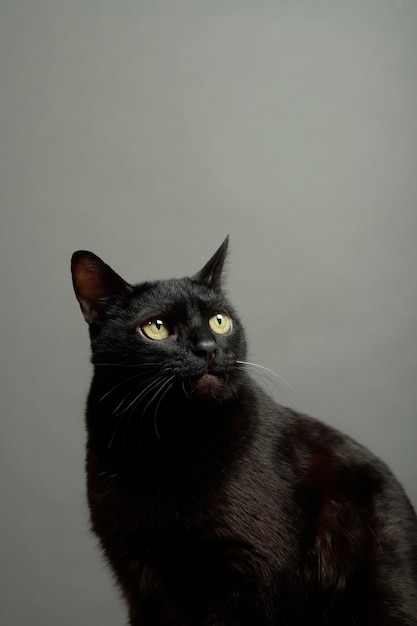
(231, 516)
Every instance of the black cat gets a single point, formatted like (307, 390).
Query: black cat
(214, 505)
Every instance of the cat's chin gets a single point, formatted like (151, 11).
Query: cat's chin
(208, 386)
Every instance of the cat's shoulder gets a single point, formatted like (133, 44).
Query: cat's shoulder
(320, 454)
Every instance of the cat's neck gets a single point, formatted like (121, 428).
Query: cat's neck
(183, 434)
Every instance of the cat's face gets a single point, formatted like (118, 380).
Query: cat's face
(177, 334)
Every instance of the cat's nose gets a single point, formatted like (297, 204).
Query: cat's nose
(205, 348)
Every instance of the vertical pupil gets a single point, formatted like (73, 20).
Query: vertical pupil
(219, 319)
(158, 324)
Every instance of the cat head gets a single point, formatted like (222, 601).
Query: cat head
(182, 333)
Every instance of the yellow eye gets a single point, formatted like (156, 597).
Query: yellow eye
(156, 329)
(220, 323)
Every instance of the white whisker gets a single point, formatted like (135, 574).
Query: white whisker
(119, 384)
(155, 395)
(263, 372)
(123, 416)
(164, 392)
(267, 369)
(185, 391)
(143, 393)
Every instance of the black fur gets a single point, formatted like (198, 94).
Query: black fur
(214, 505)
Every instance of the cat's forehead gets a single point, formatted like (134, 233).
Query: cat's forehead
(179, 295)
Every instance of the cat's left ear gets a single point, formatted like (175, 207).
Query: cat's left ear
(95, 284)
(211, 273)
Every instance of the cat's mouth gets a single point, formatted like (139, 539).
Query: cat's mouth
(210, 381)
(208, 385)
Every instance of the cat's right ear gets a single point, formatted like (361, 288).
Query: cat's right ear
(95, 283)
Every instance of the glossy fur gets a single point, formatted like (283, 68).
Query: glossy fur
(214, 505)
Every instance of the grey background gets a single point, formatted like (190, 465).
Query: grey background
(146, 131)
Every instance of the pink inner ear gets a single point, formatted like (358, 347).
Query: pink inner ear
(89, 288)
(88, 281)
(94, 283)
